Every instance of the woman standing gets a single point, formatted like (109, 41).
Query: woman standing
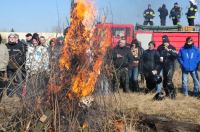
(151, 67)
(137, 52)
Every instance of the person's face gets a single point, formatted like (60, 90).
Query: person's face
(42, 41)
(151, 46)
(28, 38)
(190, 42)
(35, 42)
(122, 43)
(53, 44)
(149, 6)
(12, 39)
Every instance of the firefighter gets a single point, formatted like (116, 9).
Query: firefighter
(168, 56)
(175, 14)
(191, 13)
(149, 14)
(163, 14)
(122, 58)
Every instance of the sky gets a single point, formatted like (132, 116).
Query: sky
(46, 15)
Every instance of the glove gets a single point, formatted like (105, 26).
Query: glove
(154, 72)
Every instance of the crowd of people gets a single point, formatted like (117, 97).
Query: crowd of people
(21, 61)
(27, 64)
(175, 14)
(157, 66)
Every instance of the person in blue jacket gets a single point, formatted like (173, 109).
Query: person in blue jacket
(189, 57)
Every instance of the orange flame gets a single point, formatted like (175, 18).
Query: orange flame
(78, 40)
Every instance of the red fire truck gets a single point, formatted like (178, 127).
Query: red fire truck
(177, 35)
(117, 30)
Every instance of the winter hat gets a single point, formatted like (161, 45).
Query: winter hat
(165, 39)
(11, 34)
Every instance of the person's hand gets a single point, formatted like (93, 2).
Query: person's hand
(154, 72)
(161, 59)
(119, 56)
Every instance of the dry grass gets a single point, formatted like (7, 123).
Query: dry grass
(182, 109)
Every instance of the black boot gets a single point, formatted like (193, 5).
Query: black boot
(137, 88)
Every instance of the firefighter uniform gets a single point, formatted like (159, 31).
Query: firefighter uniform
(163, 14)
(175, 14)
(191, 14)
(149, 14)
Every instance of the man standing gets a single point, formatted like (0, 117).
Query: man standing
(122, 58)
(175, 14)
(191, 13)
(28, 39)
(189, 57)
(16, 60)
(4, 58)
(163, 14)
(168, 56)
(150, 61)
(149, 14)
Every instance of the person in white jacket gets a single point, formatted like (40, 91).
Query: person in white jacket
(37, 58)
(4, 59)
(37, 67)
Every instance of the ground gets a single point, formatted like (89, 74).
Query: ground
(182, 109)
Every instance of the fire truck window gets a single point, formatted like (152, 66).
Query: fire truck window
(117, 32)
(128, 31)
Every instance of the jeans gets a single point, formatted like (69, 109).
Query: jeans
(134, 74)
(159, 86)
(195, 78)
(134, 85)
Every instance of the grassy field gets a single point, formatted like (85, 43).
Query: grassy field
(186, 109)
(182, 109)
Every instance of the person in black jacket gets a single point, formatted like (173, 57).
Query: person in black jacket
(191, 13)
(175, 14)
(163, 14)
(16, 62)
(150, 61)
(122, 58)
(149, 14)
(168, 56)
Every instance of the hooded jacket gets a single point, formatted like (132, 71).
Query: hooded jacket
(189, 57)
(4, 59)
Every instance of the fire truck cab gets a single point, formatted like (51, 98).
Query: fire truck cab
(118, 30)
